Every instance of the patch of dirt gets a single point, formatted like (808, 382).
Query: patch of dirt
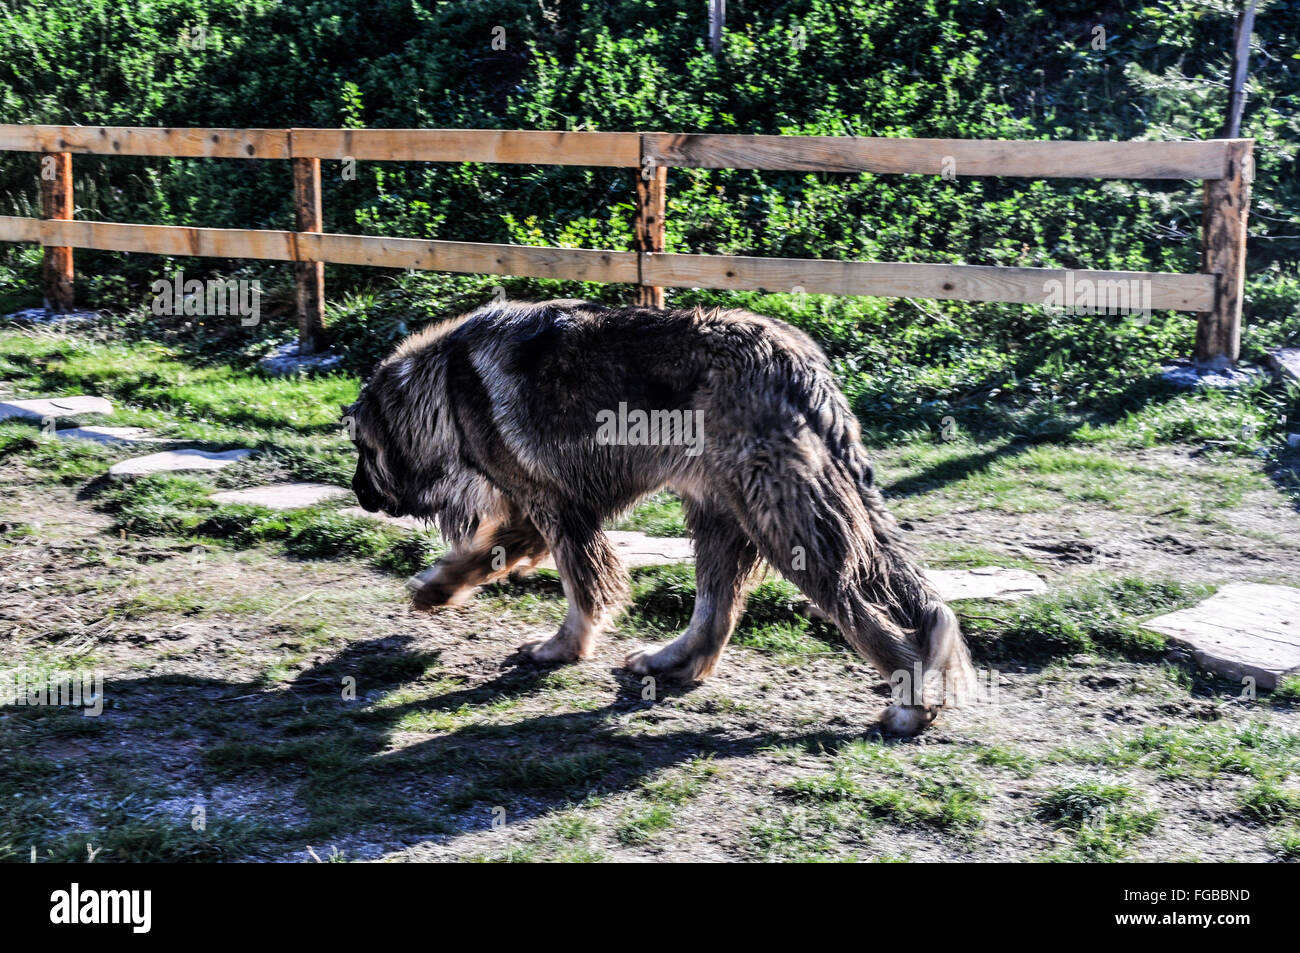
(1257, 539)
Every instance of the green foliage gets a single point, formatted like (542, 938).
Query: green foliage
(850, 67)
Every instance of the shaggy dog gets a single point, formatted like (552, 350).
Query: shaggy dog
(521, 428)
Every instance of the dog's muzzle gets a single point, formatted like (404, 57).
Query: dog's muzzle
(366, 493)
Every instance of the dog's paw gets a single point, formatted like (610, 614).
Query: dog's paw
(662, 663)
(433, 595)
(903, 721)
(553, 651)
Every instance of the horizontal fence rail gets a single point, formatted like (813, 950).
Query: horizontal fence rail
(906, 280)
(1032, 159)
(1215, 293)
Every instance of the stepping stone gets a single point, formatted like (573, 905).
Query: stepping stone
(634, 549)
(403, 522)
(285, 359)
(1217, 375)
(171, 461)
(985, 582)
(109, 435)
(283, 496)
(42, 316)
(1244, 629)
(637, 550)
(40, 408)
(1286, 362)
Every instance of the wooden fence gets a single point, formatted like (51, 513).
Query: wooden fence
(1225, 166)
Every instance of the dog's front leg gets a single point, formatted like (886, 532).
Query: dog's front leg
(594, 580)
(490, 555)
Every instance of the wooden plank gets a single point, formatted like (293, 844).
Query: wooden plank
(140, 141)
(471, 145)
(309, 276)
(887, 279)
(578, 264)
(651, 198)
(1036, 159)
(171, 240)
(1223, 237)
(57, 204)
(905, 280)
(19, 228)
(1032, 159)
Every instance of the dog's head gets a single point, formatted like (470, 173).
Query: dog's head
(373, 483)
(410, 459)
(399, 465)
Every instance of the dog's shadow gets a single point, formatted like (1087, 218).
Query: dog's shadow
(356, 774)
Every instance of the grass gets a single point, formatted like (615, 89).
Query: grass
(1269, 802)
(584, 771)
(660, 515)
(1201, 753)
(1013, 477)
(1017, 762)
(641, 826)
(1288, 690)
(946, 798)
(1102, 615)
(1286, 843)
(1104, 817)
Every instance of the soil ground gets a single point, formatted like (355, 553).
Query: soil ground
(270, 707)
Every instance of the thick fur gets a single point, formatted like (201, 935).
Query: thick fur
(488, 423)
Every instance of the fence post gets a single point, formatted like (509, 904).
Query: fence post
(651, 198)
(309, 276)
(1223, 237)
(56, 203)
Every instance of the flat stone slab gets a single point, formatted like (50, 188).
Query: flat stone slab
(171, 461)
(283, 496)
(42, 316)
(985, 582)
(638, 550)
(1286, 362)
(403, 522)
(1219, 376)
(1244, 629)
(286, 359)
(109, 435)
(41, 407)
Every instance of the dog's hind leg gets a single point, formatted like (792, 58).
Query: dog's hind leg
(725, 564)
(832, 538)
(493, 552)
(594, 580)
